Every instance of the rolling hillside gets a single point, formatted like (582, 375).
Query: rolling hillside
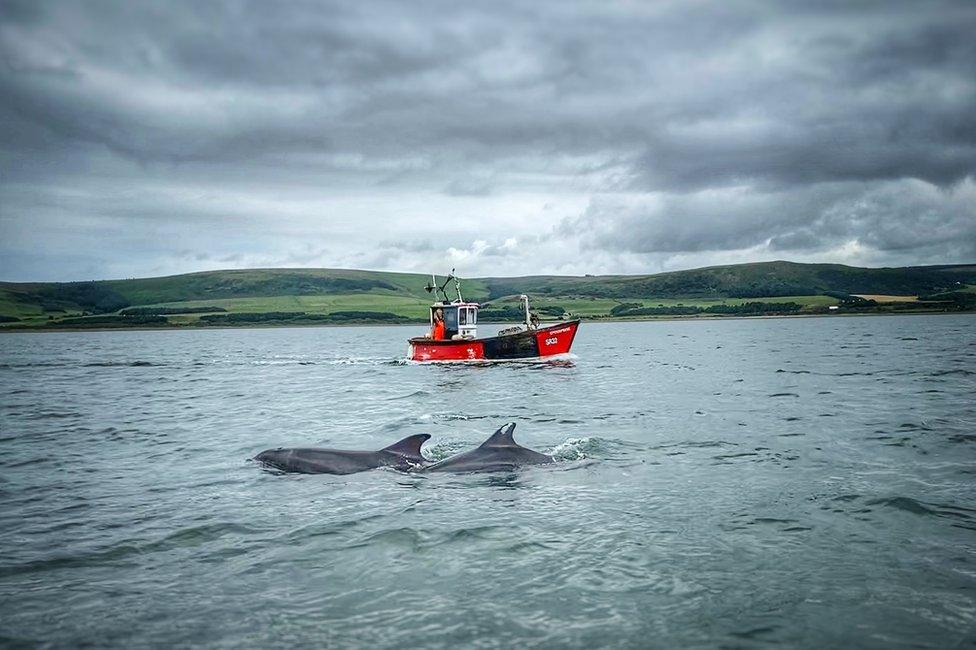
(310, 296)
(758, 280)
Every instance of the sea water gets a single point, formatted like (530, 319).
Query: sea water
(734, 483)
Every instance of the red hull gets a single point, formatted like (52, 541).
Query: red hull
(446, 350)
(534, 344)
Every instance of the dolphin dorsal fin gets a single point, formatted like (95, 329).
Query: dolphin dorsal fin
(409, 446)
(502, 437)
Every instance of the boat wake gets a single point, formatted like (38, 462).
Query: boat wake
(567, 360)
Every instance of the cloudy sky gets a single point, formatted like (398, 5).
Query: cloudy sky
(149, 138)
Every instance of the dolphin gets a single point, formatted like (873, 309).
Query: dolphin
(499, 453)
(403, 455)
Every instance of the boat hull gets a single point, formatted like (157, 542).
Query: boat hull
(533, 344)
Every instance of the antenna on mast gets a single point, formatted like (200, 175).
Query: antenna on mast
(457, 286)
(433, 288)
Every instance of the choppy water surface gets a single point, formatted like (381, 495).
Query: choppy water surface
(735, 483)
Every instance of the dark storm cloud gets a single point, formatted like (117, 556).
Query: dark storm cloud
(686, 127)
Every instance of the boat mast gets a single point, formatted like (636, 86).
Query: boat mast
(457, 286)
(525, 306)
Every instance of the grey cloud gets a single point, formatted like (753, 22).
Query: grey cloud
(468, 187)
(889, 217)
(655, 83)
(685, 128)
(671, 223)
(410, 246)
(500, 250)
(799, 239)
(896, 104)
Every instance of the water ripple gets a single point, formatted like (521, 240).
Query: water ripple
(718, 484)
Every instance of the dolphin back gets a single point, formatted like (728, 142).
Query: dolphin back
(499, 453)
(403, 455)
(502, 437)
(409, 447)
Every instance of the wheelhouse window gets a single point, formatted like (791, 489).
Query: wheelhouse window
(451, 318)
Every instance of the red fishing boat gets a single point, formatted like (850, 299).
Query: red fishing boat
(460, 341)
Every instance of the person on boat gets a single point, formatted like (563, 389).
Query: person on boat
(533, 320)
(438, 332)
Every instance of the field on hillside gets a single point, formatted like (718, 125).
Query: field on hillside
(883, 298)
(276, 282)
(602, 306)
(13, 308)
(407, 306)
(326, 296)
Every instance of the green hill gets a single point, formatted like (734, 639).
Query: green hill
(297, 296)
(758, 280)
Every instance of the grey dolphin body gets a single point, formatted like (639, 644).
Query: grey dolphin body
(403, 455)
(499, 453)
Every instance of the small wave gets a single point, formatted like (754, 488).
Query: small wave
(416, 539)
(753, 634)
(589, 448)
(741, 454)
(902, 503)
(915, 507)
(704, 444)
(572, 449)
(783, 524)
(416, 393)
(460, 417)
(785, 395)
(91, 364)
(53, 415)
(445, 449)
(310, 531)
(361, 361)
(399, 423)
(38, 460)
(36, 364)
(305, 361)
(189, 537)
(962, 437)
(911, 426)
(772, 520)
(955, 371)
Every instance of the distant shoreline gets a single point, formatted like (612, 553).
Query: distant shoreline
(309, 297)
(635, 319)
